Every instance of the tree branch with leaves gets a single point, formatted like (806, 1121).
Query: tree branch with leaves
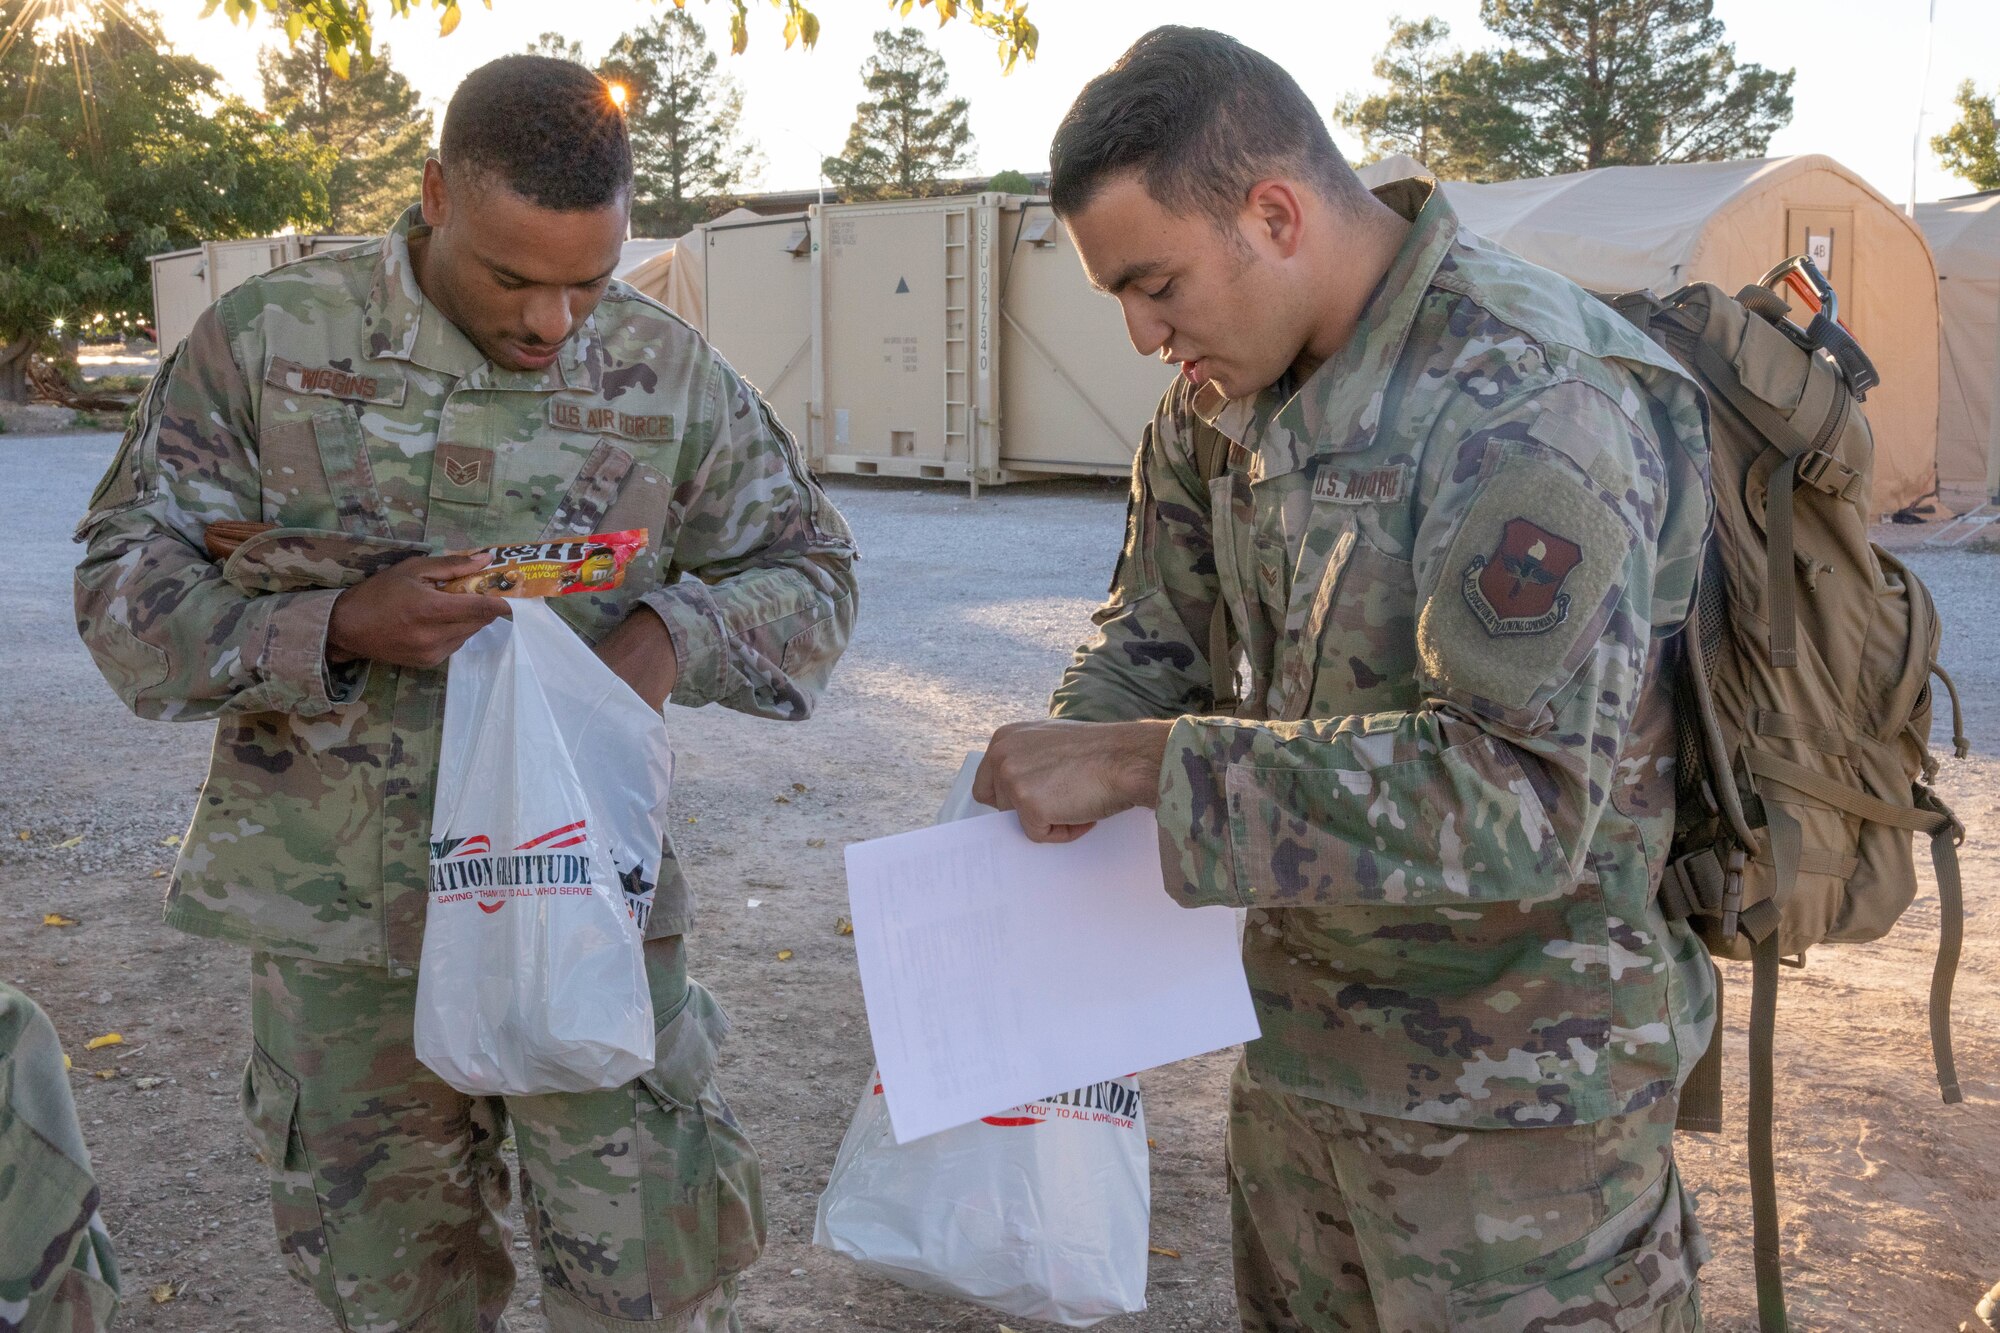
(1971, 147)
(348, 26)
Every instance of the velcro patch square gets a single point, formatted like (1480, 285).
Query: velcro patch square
(1518, 598)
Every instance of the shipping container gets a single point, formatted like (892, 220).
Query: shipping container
(187, 282)
(944, 339)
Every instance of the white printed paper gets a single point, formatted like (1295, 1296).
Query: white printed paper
(997, 970)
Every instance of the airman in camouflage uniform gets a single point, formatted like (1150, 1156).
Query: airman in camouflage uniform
(335, 399)
(1452, 546)
(57, 1273)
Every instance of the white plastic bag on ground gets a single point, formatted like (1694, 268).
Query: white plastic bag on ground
(545, 847)
(1041, 1211)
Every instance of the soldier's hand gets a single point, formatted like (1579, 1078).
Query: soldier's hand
(642, 653)
(1062, 777)
(401, 617)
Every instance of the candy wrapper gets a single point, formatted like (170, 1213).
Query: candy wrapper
(550, 569)
(533, 569)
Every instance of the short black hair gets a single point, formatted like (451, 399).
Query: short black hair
(1202, 118)
(546, 129)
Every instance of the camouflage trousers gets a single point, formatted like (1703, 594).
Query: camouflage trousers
(57, 1273)
(389, 1188)
(1349, 1221)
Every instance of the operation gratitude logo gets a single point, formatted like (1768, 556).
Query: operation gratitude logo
(1107, 1103)
(463, 868)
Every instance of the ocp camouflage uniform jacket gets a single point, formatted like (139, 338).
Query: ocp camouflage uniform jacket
(57, 1270)
(1453, 555)
(331, 398)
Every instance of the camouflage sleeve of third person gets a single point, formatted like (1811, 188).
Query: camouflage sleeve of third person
(1534, 596)
(760, 599)
(171, 635)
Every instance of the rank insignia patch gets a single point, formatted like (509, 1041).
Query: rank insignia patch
(1518, 588)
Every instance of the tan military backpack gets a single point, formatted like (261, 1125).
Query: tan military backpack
(1804, 702)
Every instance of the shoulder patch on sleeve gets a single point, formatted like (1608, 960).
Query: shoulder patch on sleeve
(1526, 587)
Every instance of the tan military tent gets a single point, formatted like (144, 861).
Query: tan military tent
(1622, 228)
(1965, 237)
(654, 267)
(674, 273)
(1395, 167)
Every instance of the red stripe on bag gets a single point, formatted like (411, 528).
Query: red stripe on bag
(553, 833)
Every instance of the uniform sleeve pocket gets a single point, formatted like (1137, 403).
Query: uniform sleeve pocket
(709, 1198)
(1625, 1275)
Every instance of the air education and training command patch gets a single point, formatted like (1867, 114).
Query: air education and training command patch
(1518, 588)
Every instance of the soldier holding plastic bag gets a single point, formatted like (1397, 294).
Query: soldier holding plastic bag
(474, 378)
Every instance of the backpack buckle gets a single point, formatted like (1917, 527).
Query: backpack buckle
(1823, 472)
(1732, 893)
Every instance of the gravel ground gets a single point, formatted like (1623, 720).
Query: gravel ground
(968, 613)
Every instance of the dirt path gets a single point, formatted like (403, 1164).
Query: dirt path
(968, 613)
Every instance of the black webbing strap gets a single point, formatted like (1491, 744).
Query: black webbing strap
(1768, 1262)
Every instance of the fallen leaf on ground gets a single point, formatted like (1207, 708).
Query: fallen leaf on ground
(23, 834)
(815, 842)
(77, 841)
(694, 819)
(1161, 1249)
(108, 1039)
(784, 955)
(104, 1073)
(148, 1083)
(781, 800)
(163, 1293)
(798, 786)
(171, 840)
(843, 926)
(57, 919)
(159, 874)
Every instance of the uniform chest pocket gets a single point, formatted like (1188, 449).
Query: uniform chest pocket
(549, 493)
(1366, 660)
(315, 474)
(610, 492)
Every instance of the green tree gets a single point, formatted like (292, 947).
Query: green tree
(1442, 106)
(1971, 148)
(113, 148)
(908, 135)
(349, 25)
(373, 122)
(684, 122)
(1577, 84)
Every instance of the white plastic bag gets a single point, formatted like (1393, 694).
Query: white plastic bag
(545, 847)
(1041, 1211)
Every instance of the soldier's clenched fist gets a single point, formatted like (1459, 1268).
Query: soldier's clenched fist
(1062, 777)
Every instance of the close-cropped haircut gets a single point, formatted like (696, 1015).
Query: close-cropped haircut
(1202, 118)
(546, 129)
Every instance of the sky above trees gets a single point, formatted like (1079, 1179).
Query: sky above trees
(1860, 66)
